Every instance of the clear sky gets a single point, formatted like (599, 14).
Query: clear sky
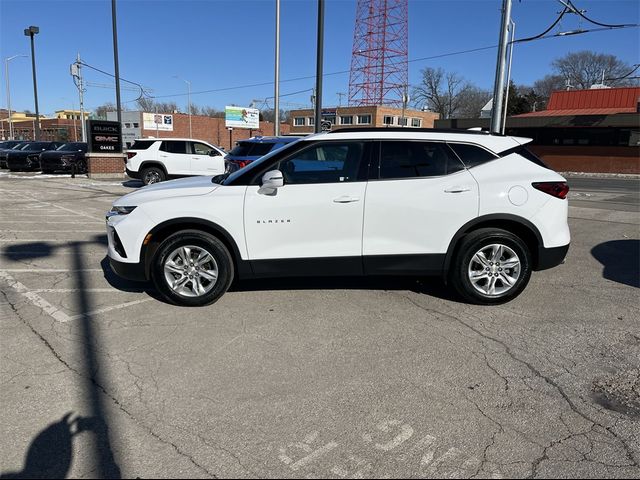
(217, 44)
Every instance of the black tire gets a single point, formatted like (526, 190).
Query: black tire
(465, 263)
(210, 244)
(46, 171)
(81, 166)
(151, 175)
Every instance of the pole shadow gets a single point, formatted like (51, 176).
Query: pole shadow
(50, 453)
(621, 261)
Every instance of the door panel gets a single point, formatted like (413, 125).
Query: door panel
(176, 156)
(204, 164)
(422, 196)
(304, 221)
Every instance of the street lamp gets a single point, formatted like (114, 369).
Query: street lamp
(189, 100)
(6, 69)
(32, 32)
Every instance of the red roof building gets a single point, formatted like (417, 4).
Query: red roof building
(600, 101)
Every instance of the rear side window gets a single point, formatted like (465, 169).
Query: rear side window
(416, 159)
(174, 146)
(142, 144)
(472, 155)
(260, 149)
(532, 157)
(251, 149)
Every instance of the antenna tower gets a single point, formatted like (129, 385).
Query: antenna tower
(379, 68)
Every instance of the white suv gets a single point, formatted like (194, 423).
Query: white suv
(477, 209)
(154, 160)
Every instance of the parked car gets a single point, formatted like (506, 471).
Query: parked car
(66, 158)
(479, 210)
(247, 151)
(28, 157)
(17, 145)
(154, 160)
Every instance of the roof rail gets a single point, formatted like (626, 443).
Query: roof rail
(409, 130)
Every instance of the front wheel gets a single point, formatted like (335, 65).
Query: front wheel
(192, 268)
(492, 266)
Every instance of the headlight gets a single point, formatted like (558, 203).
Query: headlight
(121, 210)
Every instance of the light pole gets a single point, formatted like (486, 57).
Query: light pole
(6, 69)
(189, 100)
(31, 32)
(498, 88)
(319, 55)
(276, 93)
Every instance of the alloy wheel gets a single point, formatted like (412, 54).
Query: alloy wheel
(190, 271)
(494, 269)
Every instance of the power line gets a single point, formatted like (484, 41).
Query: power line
(569, 5)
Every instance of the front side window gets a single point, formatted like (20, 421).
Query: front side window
(174, 146)
(201, 148)
(329, 162)
(416, 159)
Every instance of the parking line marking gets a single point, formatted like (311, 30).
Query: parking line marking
(52, 231)
(49, 270)
(29, 197)
(34, 298)
(71, 290)
(108, 309)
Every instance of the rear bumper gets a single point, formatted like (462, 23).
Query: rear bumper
(551, 257)
(130, 271)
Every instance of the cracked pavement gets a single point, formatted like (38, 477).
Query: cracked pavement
(310, 378)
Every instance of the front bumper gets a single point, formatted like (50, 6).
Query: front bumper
(22, 164)
(130, 271)
(551, 257)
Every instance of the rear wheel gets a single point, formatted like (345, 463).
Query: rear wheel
(152, 175)
(192, 268)
(492, 266)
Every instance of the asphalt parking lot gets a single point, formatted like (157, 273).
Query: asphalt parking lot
(344, 378)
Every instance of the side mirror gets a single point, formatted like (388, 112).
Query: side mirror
(271, 181)
(213, 153)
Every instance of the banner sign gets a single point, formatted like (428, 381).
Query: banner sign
(157, 121)
(104, 136)
(240, 117)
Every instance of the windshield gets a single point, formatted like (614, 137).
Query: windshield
(37, 146)
(20, 146)
(256, 165)
(73, 147)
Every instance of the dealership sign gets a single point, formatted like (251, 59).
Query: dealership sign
(240, 117)
(104, 136)
(157, 121)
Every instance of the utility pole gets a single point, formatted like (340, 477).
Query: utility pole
(340, 95)
(319, 53)
(115, 60)
(32, 32)
(405, 100)
(276, 93)
(76, 72)
(498, 87)
(512, 28)
(6, 67)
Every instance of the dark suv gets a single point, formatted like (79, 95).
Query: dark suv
(246, 151)
(67, 158)
(5, 147)
(28, 158)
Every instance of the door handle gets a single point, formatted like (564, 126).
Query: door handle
(457, 189)
(345, 199)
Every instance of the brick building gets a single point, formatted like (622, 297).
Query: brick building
(302, 121)
(595, 130)
(66, 126)
(176, 125)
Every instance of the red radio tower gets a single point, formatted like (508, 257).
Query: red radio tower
(379, 68)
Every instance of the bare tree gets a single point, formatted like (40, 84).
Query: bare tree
(472, 100)
(146, 104)
(101, 111)
(586, 68)
(545, 86)
(211, 112)
(442, 92)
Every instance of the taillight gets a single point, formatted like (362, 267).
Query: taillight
(555, 189)
(131, 154)
(241, 163)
